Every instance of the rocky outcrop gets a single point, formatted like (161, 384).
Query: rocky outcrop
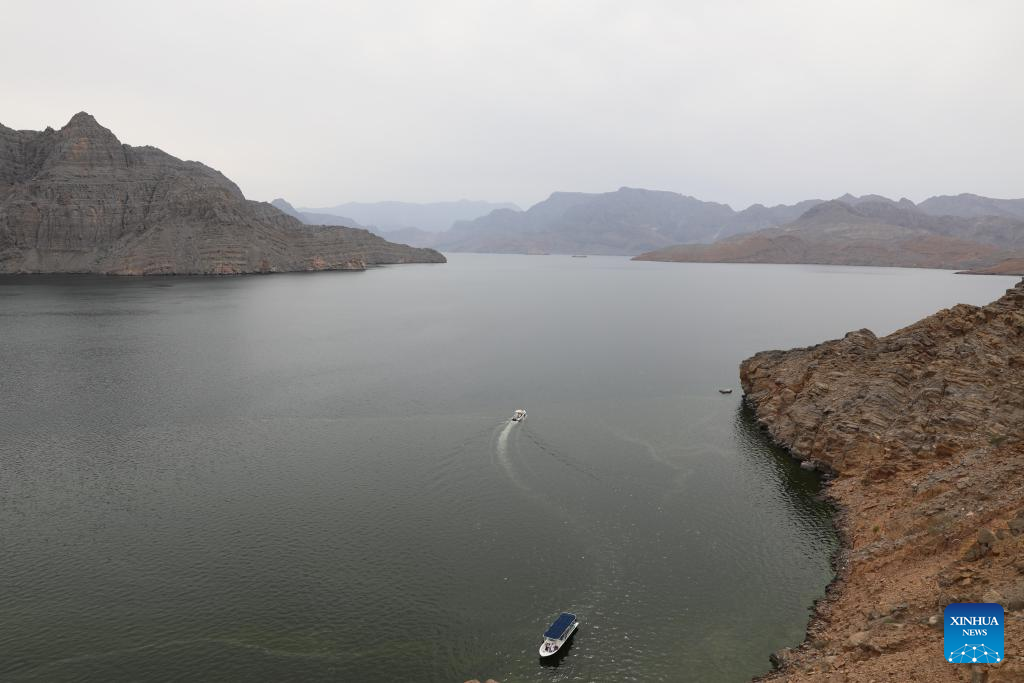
(76, 200)
(922, 434)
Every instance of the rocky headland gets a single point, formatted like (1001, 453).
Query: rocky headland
(921, 434)
(1010, 266)
(76, 200)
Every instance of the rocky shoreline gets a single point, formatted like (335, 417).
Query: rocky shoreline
(921, 436)
(1010, 266)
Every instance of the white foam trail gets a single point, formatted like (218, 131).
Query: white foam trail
(503, 459)
(503, 439)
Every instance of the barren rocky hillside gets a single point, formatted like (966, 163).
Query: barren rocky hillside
(923, 432)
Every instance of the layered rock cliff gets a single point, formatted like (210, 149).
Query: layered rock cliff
(923, 433)
(76, 200)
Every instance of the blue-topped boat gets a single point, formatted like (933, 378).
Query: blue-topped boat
(560, 631)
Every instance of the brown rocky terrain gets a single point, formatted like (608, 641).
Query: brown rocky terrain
(866, 231)
(1010, 266)
(76, 200)
(778, 246)
(922, 434)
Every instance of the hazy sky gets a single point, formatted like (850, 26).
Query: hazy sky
(739, 102)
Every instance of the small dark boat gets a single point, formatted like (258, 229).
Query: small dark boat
(725, 391)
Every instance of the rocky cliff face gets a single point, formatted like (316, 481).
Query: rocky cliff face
(923, 431)
(78, 201)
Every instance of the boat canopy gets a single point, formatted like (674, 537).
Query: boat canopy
(562, 624)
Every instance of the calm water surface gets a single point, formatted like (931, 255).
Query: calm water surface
(313, 476)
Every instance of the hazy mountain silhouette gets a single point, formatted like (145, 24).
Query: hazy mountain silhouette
(411, 236)
(963, 231)
(626, 221)
(429, 217)
(314, 218)
(972, 205)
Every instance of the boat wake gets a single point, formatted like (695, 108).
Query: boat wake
(503, 459)
(568, 461)
(601, 577)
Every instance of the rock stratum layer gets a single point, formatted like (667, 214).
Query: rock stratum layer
(923, 432)
(76, 200)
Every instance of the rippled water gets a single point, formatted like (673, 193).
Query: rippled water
(313, 477)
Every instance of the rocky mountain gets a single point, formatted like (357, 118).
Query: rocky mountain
(623, 222)
(868, 230)
(388, 217)
(76, 200)
(922, 436)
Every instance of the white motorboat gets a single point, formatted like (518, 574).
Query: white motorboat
(519, 415)
(558, 633)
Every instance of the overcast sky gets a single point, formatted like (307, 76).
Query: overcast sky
(738, 102)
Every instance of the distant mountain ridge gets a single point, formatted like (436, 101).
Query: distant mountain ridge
(76, 200)
(948, 231)
(314, 218)
(623, 222)
(429, 217)
(873, 230)
(410, 236)
(972, 205)
(977, 233)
